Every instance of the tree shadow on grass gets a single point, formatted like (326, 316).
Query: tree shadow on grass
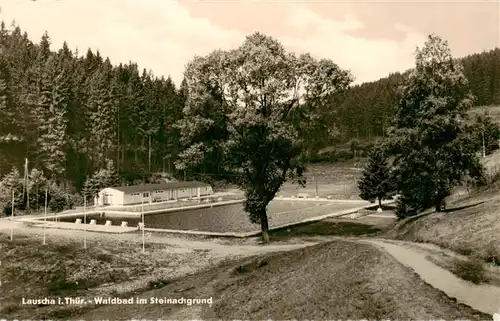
(449, 210)
(407, 220)
(323, 228)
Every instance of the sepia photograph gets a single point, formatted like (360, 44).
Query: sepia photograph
(249, 160)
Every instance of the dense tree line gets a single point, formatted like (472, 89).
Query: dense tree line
(74, 116)
(366, 110)
(253, 116)
(71, 114)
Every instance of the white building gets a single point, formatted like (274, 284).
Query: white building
(150, 193)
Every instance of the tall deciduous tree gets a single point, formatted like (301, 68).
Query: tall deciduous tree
(256, 103)
(433, 148)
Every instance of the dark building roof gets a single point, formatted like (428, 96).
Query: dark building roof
(159, 187)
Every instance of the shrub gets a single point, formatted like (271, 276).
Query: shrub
(492, 253)
(471, 270)
(57, 203)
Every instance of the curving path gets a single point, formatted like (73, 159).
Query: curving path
(484, 298)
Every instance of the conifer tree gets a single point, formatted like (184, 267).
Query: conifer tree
(52, 110)
(102, 109)
(6, 114)
(375, 182)
(487, 133)
(105, 177)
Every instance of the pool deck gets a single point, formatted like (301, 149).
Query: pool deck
(38, 221)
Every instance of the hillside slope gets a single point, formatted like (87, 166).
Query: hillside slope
(319, 282)
(470, 224)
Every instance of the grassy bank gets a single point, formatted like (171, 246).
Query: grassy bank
(62, 268)
(320, 282)
(469, 226)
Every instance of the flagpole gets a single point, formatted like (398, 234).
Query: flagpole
(12, 215)
(27, 187)
(85, 220)
(45, 215)
(143, 227)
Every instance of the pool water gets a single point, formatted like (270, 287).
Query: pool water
(226, 218)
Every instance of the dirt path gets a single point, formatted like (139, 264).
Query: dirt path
(483, 297)
(218, 246)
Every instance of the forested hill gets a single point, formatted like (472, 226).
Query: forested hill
(368, 107)
(70, 114)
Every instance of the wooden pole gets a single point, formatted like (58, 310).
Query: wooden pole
(149, 154)
(24, 181)
(85, 220)
(484, 148)
(12, 215)
(45, 216)
(27, 188)
(316, 180)
(118, 140)
(143, 226)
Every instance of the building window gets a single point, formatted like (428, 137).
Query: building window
(158, 192)
(145, 194)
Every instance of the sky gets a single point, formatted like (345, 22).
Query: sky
(370, 38)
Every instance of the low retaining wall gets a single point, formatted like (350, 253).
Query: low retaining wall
(85, 227)
(313, 199)
(204, 233)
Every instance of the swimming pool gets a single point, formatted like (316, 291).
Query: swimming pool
(227, 218)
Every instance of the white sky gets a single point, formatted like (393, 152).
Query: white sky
(369, 38)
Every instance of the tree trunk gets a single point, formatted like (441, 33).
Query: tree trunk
(380, 202)
(118, 143)
(149, 154)
(123, 155)
(264, 227)
(438, 206)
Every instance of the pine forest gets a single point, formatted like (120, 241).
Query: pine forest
(72, 114)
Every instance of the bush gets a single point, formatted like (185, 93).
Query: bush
(57, 203)
(492, 253)
(7, 209)
(407, 206)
